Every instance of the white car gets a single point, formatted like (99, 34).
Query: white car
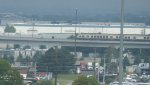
(124, 83)
(90, 68)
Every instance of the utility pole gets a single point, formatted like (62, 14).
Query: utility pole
(98, 73)
(61, 29)
(56, 69)
(75, 38)
(94, 62)
(104, 71)
(33, 24)
(47, 73)
(121, 45)
(35, 70)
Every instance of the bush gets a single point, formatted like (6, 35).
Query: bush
(10, 29)
(44, 82)
(83, 80)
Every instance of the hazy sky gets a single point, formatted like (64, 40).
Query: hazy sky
(66, 7)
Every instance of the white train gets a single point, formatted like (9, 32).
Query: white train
(100, 36)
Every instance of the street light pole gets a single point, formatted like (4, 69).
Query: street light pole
(121, 45)
(76, 21)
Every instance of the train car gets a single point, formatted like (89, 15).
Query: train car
(100, 36)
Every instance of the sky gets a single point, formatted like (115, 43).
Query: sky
(67, 7)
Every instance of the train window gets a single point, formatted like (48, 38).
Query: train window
(103, 37)
(147, 37)
(128, 37)
(94, 36)
(144, 37)
(111, 37)
(91, 36)
(53, 37)
(87, 36)
(106, 36)
(100, 36)
(125, 37)
(97, 36)
(82, 36)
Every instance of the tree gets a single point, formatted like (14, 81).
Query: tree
(4, 67)
(141, 54)
(37, 56)
(83, 80)
(137, 59)
(8, 75)
(92, 81)
(112, 68)
(9, 58)
(56, 61)
(145, 53)
(111, 53)
(20, 58)
(10, 29)
(15, 78)
(27, 59)
(125, 62)
(23, 59)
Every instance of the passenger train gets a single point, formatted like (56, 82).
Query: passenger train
(102, 36)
